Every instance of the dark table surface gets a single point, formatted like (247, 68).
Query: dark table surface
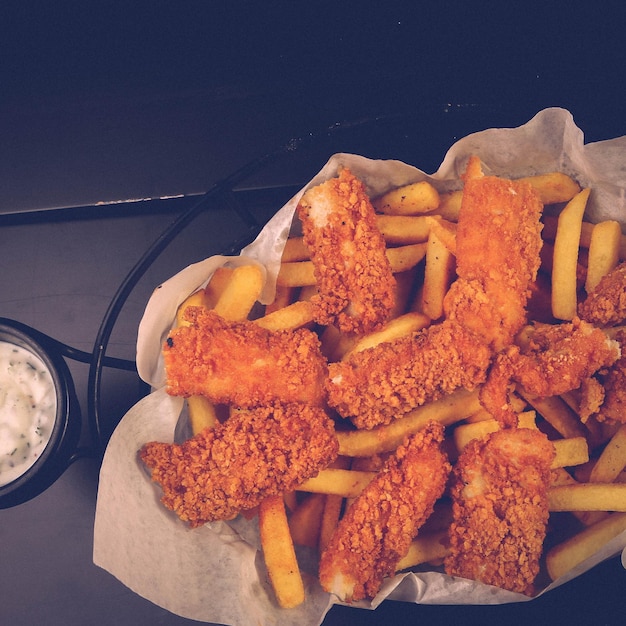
(115, 119)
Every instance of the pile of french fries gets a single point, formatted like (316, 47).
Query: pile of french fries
(419, 226)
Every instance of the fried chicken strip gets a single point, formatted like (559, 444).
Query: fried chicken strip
(500, 509)
(498, 246)
(376, 385)
(613, 408)
(606, 304)
(557, 359)
(255, 454)
(243, 364)
(377, 529)
(354, 278)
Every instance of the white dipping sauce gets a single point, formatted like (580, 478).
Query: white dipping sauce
(27, 410)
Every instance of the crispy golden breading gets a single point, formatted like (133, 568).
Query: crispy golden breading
(613, 407)
(498, 246)
(256, 453)
(500, 509)
(354, 278)
(377, 529)
(557, 359)
(242, 364)
(606, 304)
(377, 385)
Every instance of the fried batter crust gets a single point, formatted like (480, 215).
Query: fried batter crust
(498, 246)
(354, 279)
(606, 304)
(376, 531)
(376, 385)
(255, 454)
(243, 364)
(500, 509)
(558, 359)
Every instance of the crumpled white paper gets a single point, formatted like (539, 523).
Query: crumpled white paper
(215, 573)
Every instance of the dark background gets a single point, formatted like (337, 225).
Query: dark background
(109, 102)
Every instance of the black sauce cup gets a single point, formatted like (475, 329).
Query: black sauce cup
(63, 441)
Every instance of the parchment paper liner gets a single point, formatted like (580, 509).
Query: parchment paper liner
(215, 573)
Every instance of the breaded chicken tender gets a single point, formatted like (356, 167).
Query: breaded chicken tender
(613, 408)
(500, 509)
(241, 363)
(255, 454)
(498, 246)
(378, 527)
(606, 304)
(557, 359)
(354, 278)
(376, 385)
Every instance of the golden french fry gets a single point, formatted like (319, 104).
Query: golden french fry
(612, 460)
(450, 205)
(566, 243)
(603, 252)
(404, 258)
(279, 553)
(588, 497)
(554, 187)
(445, 231)
(302, 273)
(558, 414)
(330, 518)
(560, 477)
(295, 315)
(295, 250)
(464, 433)
(214, 289)
(395, 328)
(411, 199)
(426, 547)
(305, 521)
(570, 452)
(241, 293)
(401, 230)
(565, 556)
(438, 274)
(202, 413)
(339, 482)
(283, 297)
(448, 410)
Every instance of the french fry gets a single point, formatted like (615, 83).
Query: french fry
(395, 328)
(450, 205)
(283, 297)
(564, 288)
(241, 293)
(445, 231)
(302, 273)
(554, 187)
(438, 274)
(612, 460)
(558, 414)
(588, 497)
(560, 477)
(603, 252)
(565, 556)
(570, 452)
(305, 521)
(400, 230)
(448, 410)
(425, 548)
(279, 553)
(333, 505)
(464, 433)
(295, 315)
(339, 482)
(295, 250)
(412, 199)
(216, 285)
